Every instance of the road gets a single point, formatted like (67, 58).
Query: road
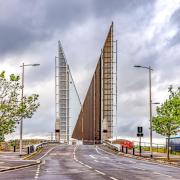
(87, 162)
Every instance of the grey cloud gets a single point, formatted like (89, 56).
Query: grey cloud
(176, 39)
(82, 27)
(41, 19)
(39, 23)
(175, 20)
(42, 73)
(128, 127)
(176, 17)
(105, 8)
(17, 39)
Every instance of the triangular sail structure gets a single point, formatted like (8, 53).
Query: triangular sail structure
(95, 122)
(66, 98)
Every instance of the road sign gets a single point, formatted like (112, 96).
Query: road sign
(140, 134)
(140, 130)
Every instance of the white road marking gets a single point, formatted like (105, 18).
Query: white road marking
(44, 162)
(92, 156)
(100, 172)
(98, 151)
(88, 166)
(96, 161)
(106, 157)
(113, 178)
(46, 153)
(37, 172)
(81, 162)
(139, 168)
(162, 174)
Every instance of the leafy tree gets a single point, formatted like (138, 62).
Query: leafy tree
(12, 107)
(167, 121)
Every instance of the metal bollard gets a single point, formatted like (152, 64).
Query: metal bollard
(31, 149)
(133, 151)
(122, 148)
(28, 150)
(14, 148)
(126, 150)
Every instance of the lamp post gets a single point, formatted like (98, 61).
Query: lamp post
(150, 104)
(22, 96)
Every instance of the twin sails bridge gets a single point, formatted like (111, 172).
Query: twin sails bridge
(94, 120)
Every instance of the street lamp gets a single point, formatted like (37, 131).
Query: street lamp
(150, 104)
(22, 95)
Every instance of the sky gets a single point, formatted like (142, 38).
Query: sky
(148, 34)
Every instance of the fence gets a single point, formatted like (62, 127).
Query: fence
(161, 148)
(143, 150)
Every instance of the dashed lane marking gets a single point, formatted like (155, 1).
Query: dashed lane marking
(37, 172)
(81, 162)
(113, 178)
(106, 157)
(100, 172)
(88, 166)
(139, 168)
(92, 156)
(157, 173)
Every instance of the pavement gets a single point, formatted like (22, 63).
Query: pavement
(89, 162)
(12, 160)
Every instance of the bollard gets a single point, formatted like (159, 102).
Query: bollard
(31, 150)
(133, 151)
(122, 148)
(28, 150)
(14, 148)
(126, 150)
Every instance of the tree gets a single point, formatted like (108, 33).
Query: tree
(167, 121)
(12, 107)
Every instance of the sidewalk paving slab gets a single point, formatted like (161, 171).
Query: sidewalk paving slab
(12, 160)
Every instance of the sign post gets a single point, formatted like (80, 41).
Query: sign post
(140, 134)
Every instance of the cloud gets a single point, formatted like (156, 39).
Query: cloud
(147, 34)
(175, 20)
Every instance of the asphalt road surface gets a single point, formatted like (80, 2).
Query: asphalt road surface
(85, 162)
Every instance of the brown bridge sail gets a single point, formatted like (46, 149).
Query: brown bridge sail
(95, 122)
